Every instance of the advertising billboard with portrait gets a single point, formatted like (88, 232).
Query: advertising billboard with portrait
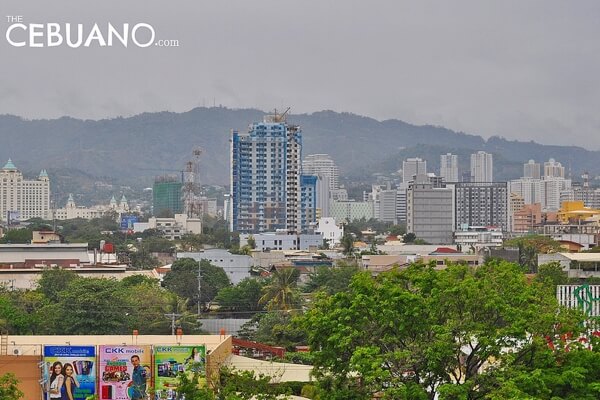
(71, 372)
(124, 372)
(169, 361)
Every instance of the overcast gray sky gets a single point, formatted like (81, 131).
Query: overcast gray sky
(520, 69)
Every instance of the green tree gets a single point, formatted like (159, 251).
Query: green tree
(252, 242)
(552, 274)
(245, 296)
(54, 280)
(90, 307)
(420, 332)
(13, 320)
(145, 306)
(182, 280)
(281, 291)
(275, 328)
(347, 242)
(553, 374)
(331, 279)
(192, 242)
(16, 236)
(9, 387)
(409, 237)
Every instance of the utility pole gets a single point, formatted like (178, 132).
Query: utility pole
(172, 316)
(199, 289)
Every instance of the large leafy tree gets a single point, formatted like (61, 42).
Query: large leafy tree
(90, 306)
(420, 333)
(183, 280)
(245, 296)
(331, 279)
(53, 281)
(554, 375)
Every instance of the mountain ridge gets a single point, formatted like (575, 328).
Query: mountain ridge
(147, 144)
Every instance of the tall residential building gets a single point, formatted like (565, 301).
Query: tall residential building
(449, 167)
(482, 204)
(308, 202)
(429, 213)
(552, 187)
(482, 167)
(553, 169)
(166, 196)
(323, 194)
(22, 199)
(265, 177)
(412, 167)
(529, 189)
(322, 165)
(531, 169)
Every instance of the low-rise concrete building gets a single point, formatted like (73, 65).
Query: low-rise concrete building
(236, 266)
(171, 228)
(282, 241)
(475, 238)
(576, 265)
(330, 231)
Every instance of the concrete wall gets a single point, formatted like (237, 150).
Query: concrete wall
(215, 360)
(27, 372)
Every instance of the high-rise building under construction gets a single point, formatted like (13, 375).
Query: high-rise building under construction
(266, 191)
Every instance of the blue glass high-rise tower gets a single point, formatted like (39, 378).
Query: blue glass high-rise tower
(265, 177)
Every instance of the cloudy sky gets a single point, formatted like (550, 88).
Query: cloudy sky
(520, 69)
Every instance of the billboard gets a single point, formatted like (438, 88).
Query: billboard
(124, 372)
(70, 372)
(169, 361)
(127, 222)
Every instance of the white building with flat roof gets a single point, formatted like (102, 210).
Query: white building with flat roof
(236, 266)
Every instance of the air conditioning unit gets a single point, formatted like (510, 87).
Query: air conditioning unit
(17, 352)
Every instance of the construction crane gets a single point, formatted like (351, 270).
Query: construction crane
(278, 118)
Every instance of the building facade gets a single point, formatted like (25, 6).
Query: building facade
(347, 211)
(449, 167)
(22, 199)
(531, 169)
(166, 196)
(482, 204)
(482, 167)
(429, 213)
(412, 167)
(322, 165)
(265, 177)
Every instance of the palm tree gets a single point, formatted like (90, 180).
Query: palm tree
(281, 293)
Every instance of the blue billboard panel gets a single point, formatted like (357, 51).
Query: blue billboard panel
(70, 372)
(127, 221)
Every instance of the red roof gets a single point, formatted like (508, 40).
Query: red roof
(446, 250)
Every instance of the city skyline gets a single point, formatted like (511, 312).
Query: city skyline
(523, 70)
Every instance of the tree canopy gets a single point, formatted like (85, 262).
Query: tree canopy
(183, 280)
(418, 333)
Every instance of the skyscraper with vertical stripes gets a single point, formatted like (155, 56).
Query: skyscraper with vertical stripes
(265, 181)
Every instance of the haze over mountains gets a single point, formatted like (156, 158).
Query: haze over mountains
(135, 149)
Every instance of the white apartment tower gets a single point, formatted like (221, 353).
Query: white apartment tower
(23, 199)
(481, 167)
(449, 167)
(322, 165)
(531, 169)
(412, 167)
(553, 169)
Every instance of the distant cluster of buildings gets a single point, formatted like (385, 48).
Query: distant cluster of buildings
(274, 192)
